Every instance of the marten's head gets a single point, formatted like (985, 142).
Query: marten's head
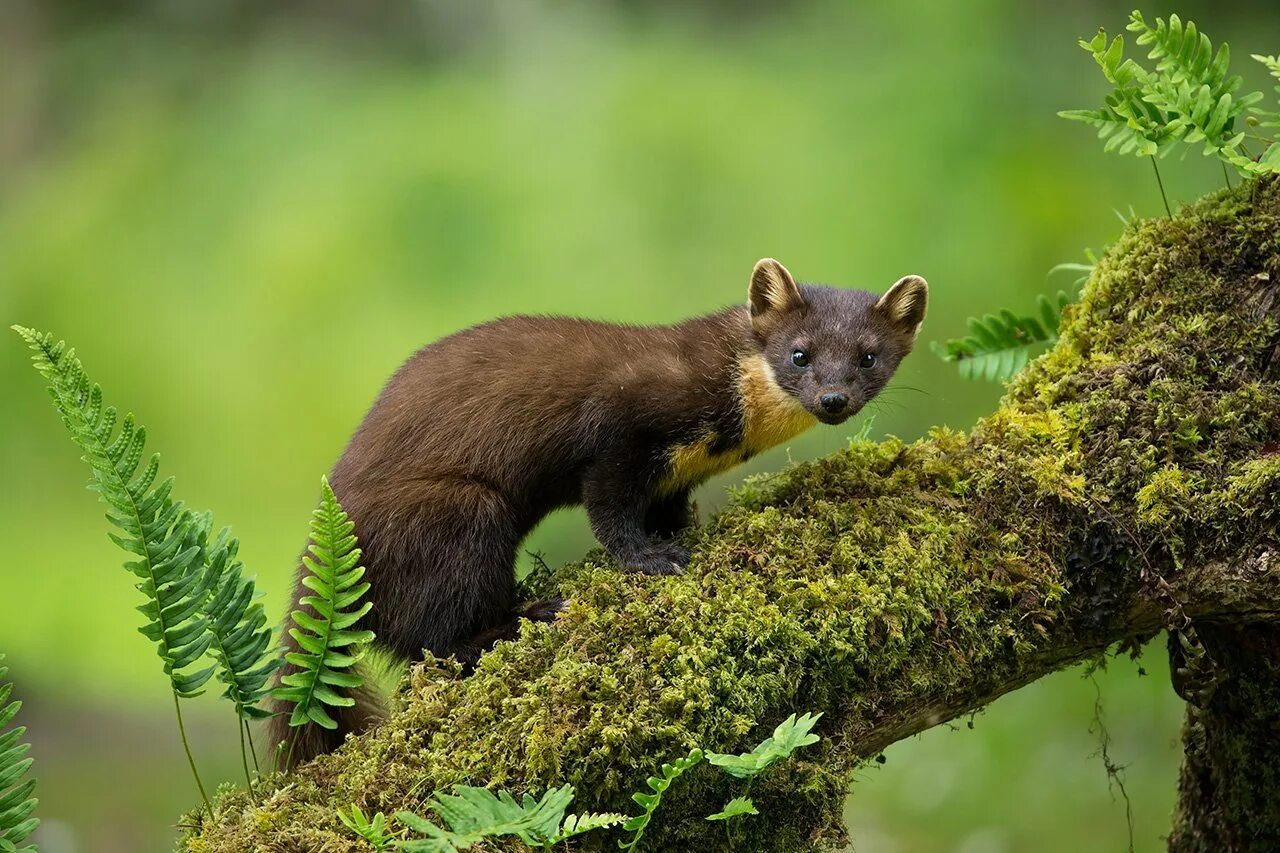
(832, 349)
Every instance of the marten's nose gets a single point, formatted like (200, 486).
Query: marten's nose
(834, 402)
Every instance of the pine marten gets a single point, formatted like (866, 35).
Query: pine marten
(479, 436)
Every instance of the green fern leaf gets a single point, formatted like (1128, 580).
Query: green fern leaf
(373, 830)
(16, 803)
(1272, 64)
(1109, 54)
(580, 824)
(165, 536)
(437, 840)
(650, 802)
(1269, 118)
(478, 813)
(1197, 115)
(1184, 54)
(1191, 96)
(1127, 123)
(1000, 346)
(328, 646)
(242, 638)
(197, 599)
(474, 814)
(737, 807)
(791, 734)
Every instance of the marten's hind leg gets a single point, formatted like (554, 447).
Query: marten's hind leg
(455, 572)
(452, 591)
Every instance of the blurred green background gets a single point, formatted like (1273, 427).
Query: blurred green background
(246, 218)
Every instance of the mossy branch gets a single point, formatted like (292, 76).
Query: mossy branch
(1129, 481)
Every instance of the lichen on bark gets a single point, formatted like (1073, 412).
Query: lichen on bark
(892, 586)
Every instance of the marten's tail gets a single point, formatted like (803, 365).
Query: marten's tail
(295, 745)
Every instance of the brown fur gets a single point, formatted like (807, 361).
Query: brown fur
(483, 433)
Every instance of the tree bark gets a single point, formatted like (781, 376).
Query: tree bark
(1129, 482)
(1227, 794)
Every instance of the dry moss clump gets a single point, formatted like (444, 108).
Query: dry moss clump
(889, 586)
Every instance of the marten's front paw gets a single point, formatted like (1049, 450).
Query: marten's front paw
(665, 559)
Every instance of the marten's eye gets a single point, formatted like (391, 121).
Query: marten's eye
(800, 358)
(867, 361)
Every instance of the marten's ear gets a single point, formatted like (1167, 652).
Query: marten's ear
(905, 303)
(773, 290)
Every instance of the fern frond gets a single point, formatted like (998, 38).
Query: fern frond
(1191, 96)
(198, 599)
(328, 646)
(1120, 133)
(437, 840)
(578, 824)
(999, 346)
(473, 814)
(16, 803)
(1195, 87)
(165, 536)
(650, 802)
(1272, 64)
(242, 639)
(373, 830)
(1192, 85)
(1185, 55)
(791, 734)
(1269, 118)
(737, 807)
(1265, 164)
(478, 813)
(1127, 122)
(1109, 54)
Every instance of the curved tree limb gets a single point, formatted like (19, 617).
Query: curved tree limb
(1130, 481)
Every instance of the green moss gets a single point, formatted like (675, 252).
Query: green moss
(1165, 498)
(873, 583)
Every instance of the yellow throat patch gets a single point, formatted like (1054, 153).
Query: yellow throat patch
(770, 417)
